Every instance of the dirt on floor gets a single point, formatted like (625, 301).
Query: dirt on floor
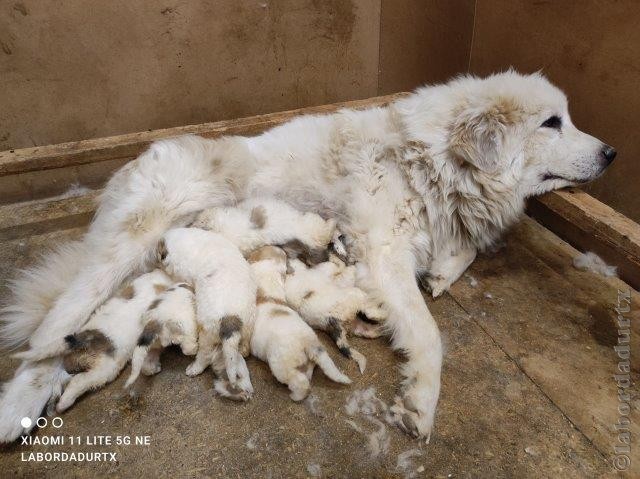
(503, 411)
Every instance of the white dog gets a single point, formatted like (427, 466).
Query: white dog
(280, 337)
(100, 350)
(326, 297)
(225, 294)
(171, 320)
(419, 186)
(258, 222)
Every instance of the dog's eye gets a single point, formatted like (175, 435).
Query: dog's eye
(554, 122)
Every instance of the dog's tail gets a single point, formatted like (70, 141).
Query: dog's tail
(236, 367)
(27, 394)
(147, 338)
(319, 355)
(35, 289)
(339, 335)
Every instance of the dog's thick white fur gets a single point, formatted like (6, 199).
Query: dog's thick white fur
(258, 222)
(281, 338)
(171, 320)
(225, 293)
(326, 297)
(100, 350)
(419, 185)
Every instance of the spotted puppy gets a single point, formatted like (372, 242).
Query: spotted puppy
(258, 222)
(225, 296)
(327, 299)
(170, 320)
(100, 350)
(280, 337)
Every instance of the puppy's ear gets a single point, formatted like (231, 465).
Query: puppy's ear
(478, 137)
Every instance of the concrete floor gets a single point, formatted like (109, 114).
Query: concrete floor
(527, 390)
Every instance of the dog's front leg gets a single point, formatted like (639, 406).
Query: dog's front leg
(446, 268)
(392, 269)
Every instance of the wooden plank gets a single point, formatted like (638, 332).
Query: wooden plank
(558, 324)
(131, 145)
(590, 225)
(22, 220)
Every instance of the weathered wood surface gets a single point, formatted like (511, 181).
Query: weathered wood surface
(590, 225)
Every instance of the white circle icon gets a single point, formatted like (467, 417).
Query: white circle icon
(55, 424)
(41, 421)
(25, 422)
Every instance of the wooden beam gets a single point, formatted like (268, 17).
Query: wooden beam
(131, 145)
(589, 225)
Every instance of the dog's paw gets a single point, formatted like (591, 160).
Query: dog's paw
(414, 413)
(64, 403)
(438, 285)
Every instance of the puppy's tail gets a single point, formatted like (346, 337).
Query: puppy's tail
(35, 289)
(55, 348)
(147, 338)
(339, 336)
(319, 355)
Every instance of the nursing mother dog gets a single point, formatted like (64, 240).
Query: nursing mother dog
(417, 186)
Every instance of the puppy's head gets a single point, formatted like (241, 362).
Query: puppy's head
(517, 129)
(269, 258)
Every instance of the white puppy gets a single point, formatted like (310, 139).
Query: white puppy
(327, 298)
(258, 222)
(170, 320)
(225, 294)
(100, 350)
(280, 337)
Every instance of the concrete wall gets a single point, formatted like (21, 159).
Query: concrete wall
(591, 49)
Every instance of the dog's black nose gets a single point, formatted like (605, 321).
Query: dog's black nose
(609, 153)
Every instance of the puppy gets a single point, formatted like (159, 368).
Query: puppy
(327, 299)
(258, 222)
(280, 337)
(99, 351)
(225, 294)
(170, 320)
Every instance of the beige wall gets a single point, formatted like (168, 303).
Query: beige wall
(591, 49)
(78, 69)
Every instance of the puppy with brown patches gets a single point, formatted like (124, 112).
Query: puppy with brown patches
(170, 320)
(100, 350)
(258, 222)
(225, 295)
(327, 299)
(280, 337)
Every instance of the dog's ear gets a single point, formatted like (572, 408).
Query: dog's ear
(478, 137)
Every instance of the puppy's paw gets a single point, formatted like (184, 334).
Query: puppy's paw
(151, 369)
(195, 368)
(64, 403)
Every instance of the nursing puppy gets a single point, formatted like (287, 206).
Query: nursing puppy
(225, 294)
(100, 350)
(263, 221)
(280, 337)
(171, 320)
(327, 299)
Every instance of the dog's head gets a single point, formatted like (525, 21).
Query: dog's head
(517, 129)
